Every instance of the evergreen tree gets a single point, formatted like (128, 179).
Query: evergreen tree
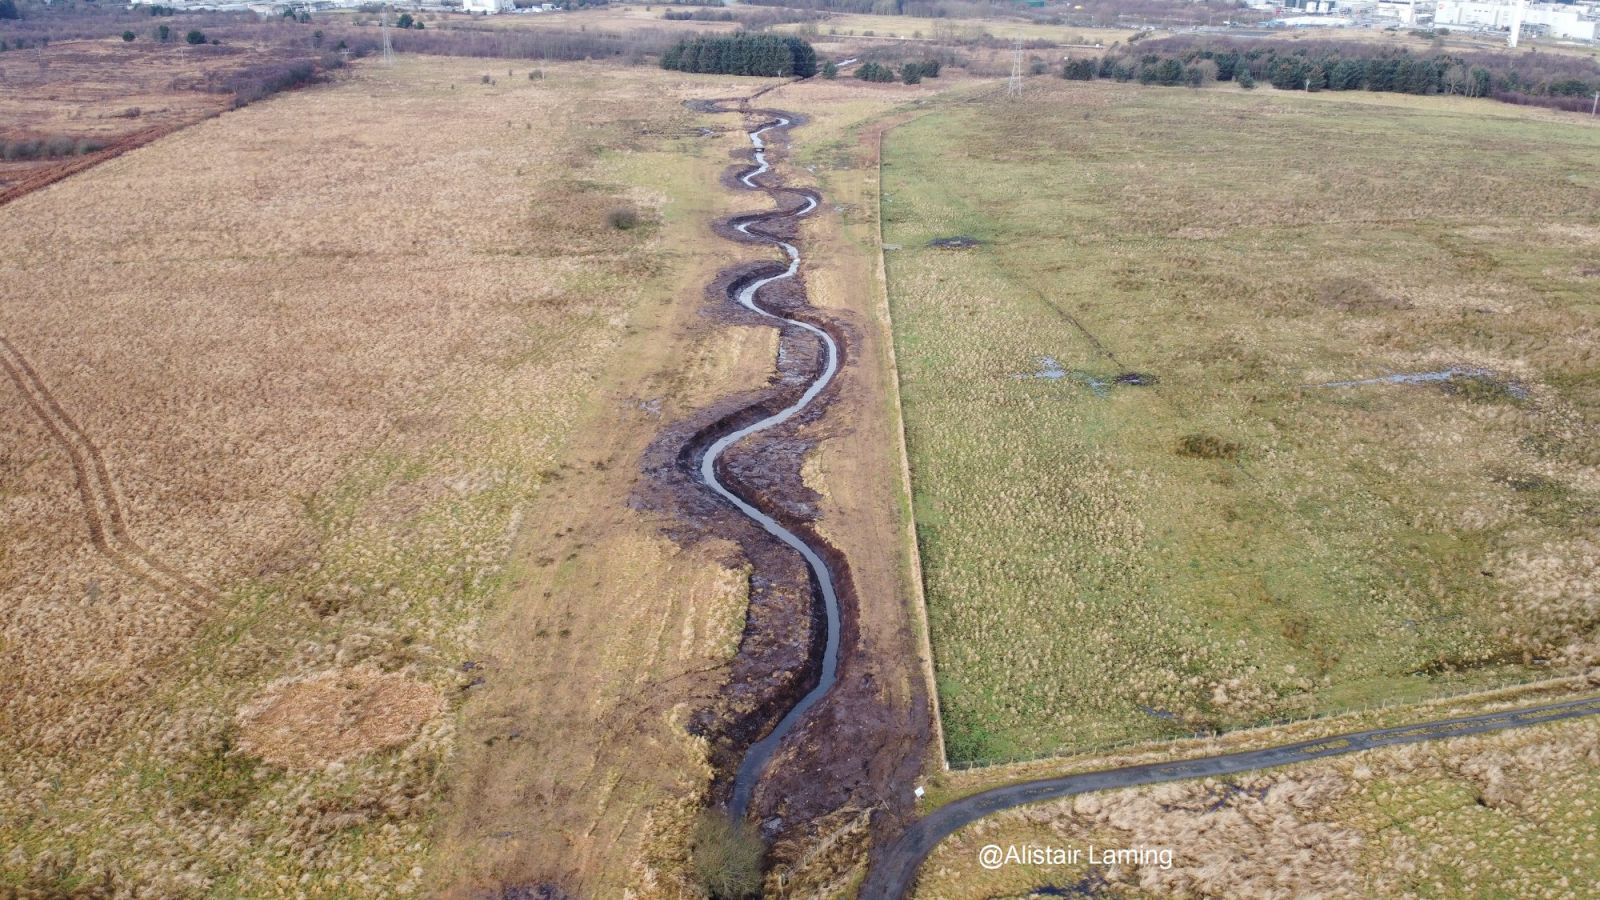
(1346, 75)
(743, 54)
(1227, 64)
(1078, 70)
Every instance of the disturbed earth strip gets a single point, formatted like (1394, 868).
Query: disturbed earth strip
(893, 874)
(818, 726)
(760, 753)
(102, 509)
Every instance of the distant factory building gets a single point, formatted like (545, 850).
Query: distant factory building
(1310, 6)
(486, 6)
(1569, 21)
(1406, 12)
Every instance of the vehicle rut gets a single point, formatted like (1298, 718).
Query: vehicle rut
(102, 507)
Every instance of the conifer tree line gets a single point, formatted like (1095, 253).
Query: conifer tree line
(743, 53)
(1561, 82)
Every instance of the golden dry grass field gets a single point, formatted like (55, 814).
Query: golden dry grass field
(1231, 534)
(281, 390)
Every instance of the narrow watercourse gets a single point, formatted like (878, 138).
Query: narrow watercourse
(893, 874)
(823, 583)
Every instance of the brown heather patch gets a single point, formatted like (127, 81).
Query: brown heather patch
(303, 723)
(1355, 295)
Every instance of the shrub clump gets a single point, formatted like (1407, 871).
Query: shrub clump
(1207, 446)
(623, 218)
(57, 147)
(727, 857)
(871, 71)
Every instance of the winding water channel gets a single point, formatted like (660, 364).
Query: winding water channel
(760, 754)
(893, 873)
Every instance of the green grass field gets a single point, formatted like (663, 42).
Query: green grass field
(1234, 543)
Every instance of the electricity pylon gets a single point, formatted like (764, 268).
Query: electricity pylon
(1014, 86)
(388, 48)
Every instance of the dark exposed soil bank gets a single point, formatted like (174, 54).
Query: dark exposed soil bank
(779, 654)
(856, 747)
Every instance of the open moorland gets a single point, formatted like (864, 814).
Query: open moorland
(280, 389)
(354, 539)
(1506, 815)
(324, 564)
(1229, 407)
(71, 104)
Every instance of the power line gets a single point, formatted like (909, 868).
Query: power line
(1014, 86)
(388, 48)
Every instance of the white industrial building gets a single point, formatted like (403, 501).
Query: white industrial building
(487, 6)
(1312, 7)
(1406, 12)
(1570, 21)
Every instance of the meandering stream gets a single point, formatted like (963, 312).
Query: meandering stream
(760, 754)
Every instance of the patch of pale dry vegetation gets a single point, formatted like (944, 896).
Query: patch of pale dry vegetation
(303, 723)
(1554, 603)
(1509, 814)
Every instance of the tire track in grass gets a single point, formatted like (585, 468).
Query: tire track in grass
(104, 515)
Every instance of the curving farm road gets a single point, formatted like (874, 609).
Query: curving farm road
(894, 872)
(760, 754)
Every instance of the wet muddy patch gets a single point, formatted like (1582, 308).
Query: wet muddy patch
(1050, 369)
(1472, 384)
(955, 242)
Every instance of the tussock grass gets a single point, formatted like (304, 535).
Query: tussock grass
(727, 857)
(329, 362)
(1510, 814)
(1306, 549)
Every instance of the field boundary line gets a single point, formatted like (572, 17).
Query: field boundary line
(49, 175)
(102, 507)
(896, 872)
(1475, 694)
(918, 585)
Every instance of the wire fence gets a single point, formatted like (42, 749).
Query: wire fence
(1153, 743)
